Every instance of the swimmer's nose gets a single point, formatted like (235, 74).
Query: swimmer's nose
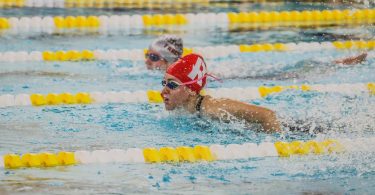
(164, 91)
(148, 63)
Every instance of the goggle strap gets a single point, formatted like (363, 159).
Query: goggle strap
(196, 80)
(215, 77)
(193, 81)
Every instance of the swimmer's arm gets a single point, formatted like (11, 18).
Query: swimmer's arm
(352, 60)
(253, 114)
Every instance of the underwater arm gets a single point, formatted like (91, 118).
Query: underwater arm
(250, 113)
(352, 60)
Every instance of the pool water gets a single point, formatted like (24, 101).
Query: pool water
(108, 126)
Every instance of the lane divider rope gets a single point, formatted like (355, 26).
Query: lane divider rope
(153, 96)
(189, 154)
(123, 23)
(150, 4)
(155, 4)
(209, 52)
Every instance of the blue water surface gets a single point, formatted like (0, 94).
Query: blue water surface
(108, 126)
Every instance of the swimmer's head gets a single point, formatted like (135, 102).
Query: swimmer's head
(164, 51)
(191, 70)
(183, 79)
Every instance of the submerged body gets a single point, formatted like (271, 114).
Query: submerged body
(303, 68)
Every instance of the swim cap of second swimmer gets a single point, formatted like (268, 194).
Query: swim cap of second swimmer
(170, 47)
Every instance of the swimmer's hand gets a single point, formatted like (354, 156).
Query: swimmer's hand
(352, 60)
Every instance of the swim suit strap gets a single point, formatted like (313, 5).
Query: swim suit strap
(199, 103)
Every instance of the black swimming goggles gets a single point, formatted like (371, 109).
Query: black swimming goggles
(171, 84)
(153, 57)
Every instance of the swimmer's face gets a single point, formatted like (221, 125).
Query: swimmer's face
(174, 98)
(153, 60)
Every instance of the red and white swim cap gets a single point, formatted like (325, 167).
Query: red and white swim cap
(191, 70)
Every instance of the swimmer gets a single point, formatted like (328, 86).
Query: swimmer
(182, 84)
(167, 49)
(351, 60)
(301, 69)
(319, 67)
(327, 36)
(163, 52)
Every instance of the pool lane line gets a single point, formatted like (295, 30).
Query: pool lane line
(116, 23)
(129, 4)
(190, 154)
(154, 96)
(210, 52)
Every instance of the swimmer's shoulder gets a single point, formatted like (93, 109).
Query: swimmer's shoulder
(211, 102)
(212, 106)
